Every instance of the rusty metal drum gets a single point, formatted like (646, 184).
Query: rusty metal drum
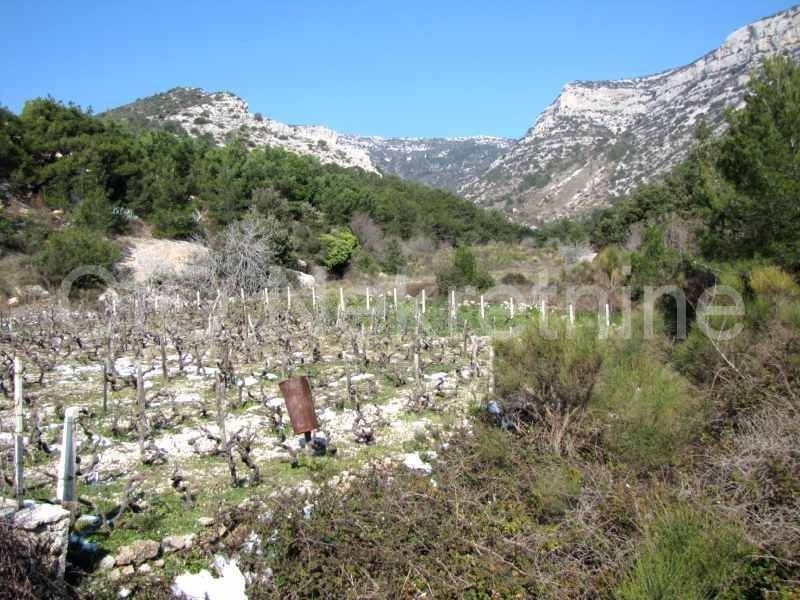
(296, 393)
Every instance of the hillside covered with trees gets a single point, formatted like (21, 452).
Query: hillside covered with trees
(105, 176)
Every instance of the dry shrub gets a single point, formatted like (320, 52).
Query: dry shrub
(761, 366)
(240, 257)
(414, 288)
(548, 382)
(500, 521)
(419, 246)
(772, 282)
(24, 574)
(758, 478)
(369, 234)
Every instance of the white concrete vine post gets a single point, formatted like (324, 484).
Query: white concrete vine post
(65, 490)
(19, 448)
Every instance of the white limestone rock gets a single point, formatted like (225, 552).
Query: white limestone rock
(229, 585)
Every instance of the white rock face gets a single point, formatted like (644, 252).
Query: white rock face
(599, 139)
(413, 462)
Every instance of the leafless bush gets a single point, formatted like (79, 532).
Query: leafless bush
(419, 245)
(369, 234)
(242, 254)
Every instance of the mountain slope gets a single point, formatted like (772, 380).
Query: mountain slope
(599, 139)
(446, 163)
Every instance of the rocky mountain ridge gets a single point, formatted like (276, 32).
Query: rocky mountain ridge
(599, 139)
(223, 114)
(447, 163)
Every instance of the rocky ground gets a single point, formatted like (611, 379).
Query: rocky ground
(181, 418)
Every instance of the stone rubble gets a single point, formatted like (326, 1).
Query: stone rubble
(46, 523)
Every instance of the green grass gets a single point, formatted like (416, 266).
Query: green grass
(688, 554)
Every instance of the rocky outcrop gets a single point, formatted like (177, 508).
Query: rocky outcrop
(46, 524)
(599, 139)
(137, 553)
(230, 585)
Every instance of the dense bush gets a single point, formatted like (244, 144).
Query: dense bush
(7, 231)
(463, 272)
(338, 249)
(649, 413)
(71, 248)
(96, 213)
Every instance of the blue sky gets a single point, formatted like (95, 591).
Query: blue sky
(409, 68)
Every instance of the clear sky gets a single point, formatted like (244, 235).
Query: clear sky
(403, 68)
